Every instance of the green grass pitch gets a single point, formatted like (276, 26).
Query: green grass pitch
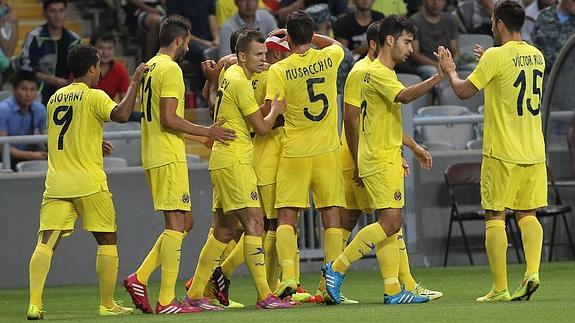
(553, 302)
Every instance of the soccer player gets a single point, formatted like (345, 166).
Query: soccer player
(235, 183)
(76, 184)
(379, 159)
(310, 139)
(164, 162)
(356, 197)
(513, 172)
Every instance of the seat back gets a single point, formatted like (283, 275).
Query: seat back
(465, 13)
(128, 149)
(462, 181)
(468, 41)
(32, 166)
(114, 162)
(448, 97)
(456, 134)
(438, 145)
(475, 144)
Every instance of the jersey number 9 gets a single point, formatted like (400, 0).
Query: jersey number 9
(63, 117)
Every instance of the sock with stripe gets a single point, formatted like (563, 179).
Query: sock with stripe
(255, 260)
(362, 244)
(404, 271)
(235, 259)
(532, 238)
(107, 269)
(208, 260)
(496, 246)
(387, 253)
(286, 245)
(344, 238)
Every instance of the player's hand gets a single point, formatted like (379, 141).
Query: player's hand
(209, 70)
(478, 51)
(356, 179)
(107, 148)
(425, 160)
(218, 133)
(445, 60)
(142, 69)
(208, 143)
(278, 105)
(406, 167)
(38, 155)
(280, 32)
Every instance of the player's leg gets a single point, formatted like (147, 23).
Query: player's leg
(236, 257)
(268, 199)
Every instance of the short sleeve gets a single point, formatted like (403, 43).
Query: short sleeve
(486, 69)
(102, 104)
(335, 52)
(245, 99)
(352, 90)
(388, 86)
(172, 82)
(276, 83)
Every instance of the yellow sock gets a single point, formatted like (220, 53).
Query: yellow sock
(286, 245)
(151, 262)
(344, 238)
(39, 268)
(496, 246)
(387, 253)
(331, 244)
(271, 256)
(235, 259)
(256, 262)
(532, 237)
(362, 244)
(107, 269)
(209, 259)
(170, 260)
(229, 248)
(404, 270)
(296, 268)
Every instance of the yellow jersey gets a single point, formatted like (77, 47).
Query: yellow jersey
(512, 76)
(75, 122)
(234, 102)
(161, 146)
(352, 96)
(380, 128)
(308, 82)
(259, 84)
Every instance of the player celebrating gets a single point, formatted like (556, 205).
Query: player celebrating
(235, 183)
(307, 80)
(76, 184)
(379, 159)
(513, 172)
(164, 161)
(356, 197)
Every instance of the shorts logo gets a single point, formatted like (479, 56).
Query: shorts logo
(186, 198)
(397, 196)
(254, 195)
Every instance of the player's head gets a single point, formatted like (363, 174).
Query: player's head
(247, 8)
(300, 27)
(277, 47)
(175, 32)
(433, 7)
(25, 88)
(395, 36)
(372, 42)
(104, 43)
(508, 17)
(251, 50)
(234, 37)
(83, 62)
(55, 12)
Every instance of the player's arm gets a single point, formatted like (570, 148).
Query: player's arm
(351, 117)
(263, 125)
(464, 89)
(425, 160)
(321, 41)
(417, 90)
(121, 113)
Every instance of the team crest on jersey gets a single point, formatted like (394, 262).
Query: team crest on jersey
(186, 198)
(254, 195)
(397, 196)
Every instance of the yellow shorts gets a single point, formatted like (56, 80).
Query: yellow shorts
(170, 187)
(268, 200)
(386, 187)
(356, 197)
(235, 187)
(322, 174)
(97, 212)
(512, 186)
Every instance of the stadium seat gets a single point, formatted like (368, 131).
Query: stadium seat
(571, 144)
(438, 145)
(448, 97)
(128, 149)
(456, 134)
(475, 144)
(32, 166)
(114, 162)
(411, 79)
(467, 42)
(464, 13)
(193, 159)
(462, 181)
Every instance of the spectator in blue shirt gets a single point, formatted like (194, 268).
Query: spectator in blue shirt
(21, 114)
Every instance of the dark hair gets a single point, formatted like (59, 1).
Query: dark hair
(245, 38)
(23, 76)
(80, 58)
(49, 2)
(300, 27)
(372, 31)
(393, 26)
(173, 27)
(105, 36)
(234, 37)
(511, 13)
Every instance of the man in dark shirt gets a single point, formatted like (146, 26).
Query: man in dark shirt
(350, 29)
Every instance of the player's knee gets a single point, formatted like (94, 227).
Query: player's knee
(254, 226)
(106, 238)
(224, 235)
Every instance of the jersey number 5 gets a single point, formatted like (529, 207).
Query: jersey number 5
(314, 98)
(521, 82)
(63, 117)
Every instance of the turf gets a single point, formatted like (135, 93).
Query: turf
(461, 285)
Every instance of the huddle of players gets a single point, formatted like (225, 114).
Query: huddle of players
(76, 184)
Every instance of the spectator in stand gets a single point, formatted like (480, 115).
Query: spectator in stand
(390, 7)
(145, 16)
(225, 9)
(21, 115)
(8, 34)
(481, 18)
(114, 78)
(350, 30)
(531, 13)
(434, 28)
(413, 6)
(45, 49)
(248, 15)
(336, 7)
(553, 28)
